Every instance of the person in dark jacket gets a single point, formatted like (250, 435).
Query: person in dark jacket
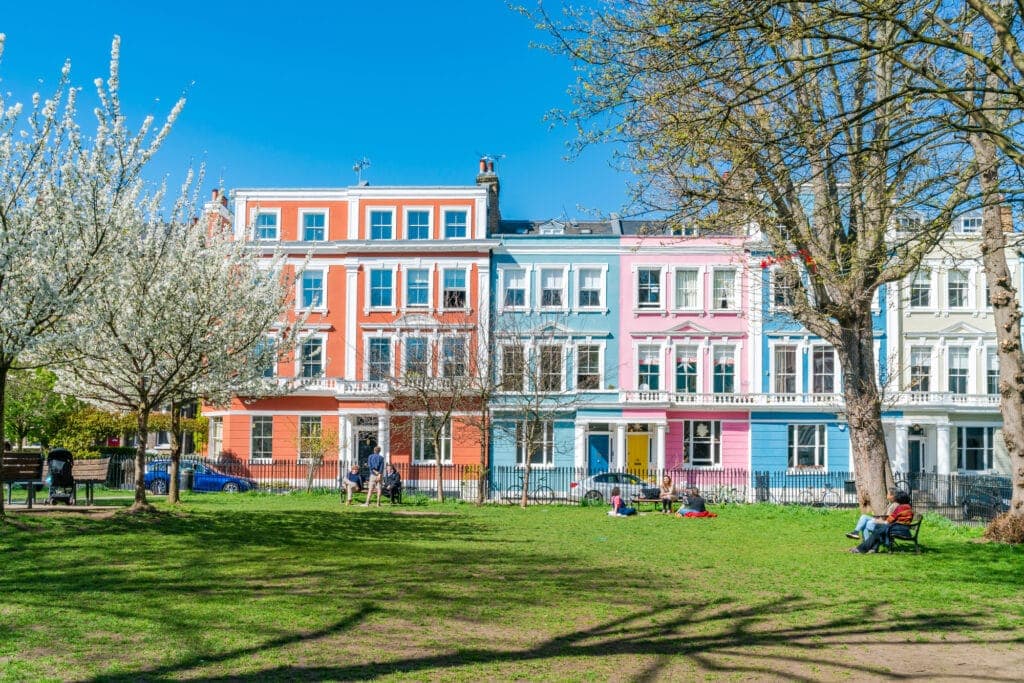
(392, 484)
(352, 482)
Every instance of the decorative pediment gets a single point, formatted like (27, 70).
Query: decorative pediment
(963, 330)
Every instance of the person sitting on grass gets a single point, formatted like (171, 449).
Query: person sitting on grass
(866, 524)
(693, 502)
(899, 520)
(352, 482)
(619, 508)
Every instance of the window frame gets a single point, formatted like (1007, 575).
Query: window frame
(988, 447)
(300, 365)
(265, 439)
(734, 291)
(602, 287)
(833, 376)
(591, 347)
(373, 210)
(503, 283)
(303, 213)
(656, 286)
(547, 445)
(407, 369)
(407, 277)
(963, 381)
(306, 434)
(451, 340)
(658, 352)
(301, 298)
(445, 211)
(556, 350)
(502, 375)
(370, 288)
(929, 353)
(563, 291)
(256, 213)
(776, 376)
(465, 288)
(991, 353)
(421, 440)
(696, 375)
(966, 293)
(914, 289)
(820, 447)
(697, 288)
(407, 223)
(370, 342)
(713, 441)
(714, 369)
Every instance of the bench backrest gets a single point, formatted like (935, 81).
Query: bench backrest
(92, 470)
(22, 467)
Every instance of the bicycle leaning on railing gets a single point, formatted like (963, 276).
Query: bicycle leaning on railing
(539, 491)
(719, 495)
(828, 497)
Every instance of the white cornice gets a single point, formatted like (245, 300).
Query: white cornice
(419, 192)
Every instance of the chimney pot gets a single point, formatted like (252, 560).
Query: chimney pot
(214, 193)
(490, 166)
(483, 165)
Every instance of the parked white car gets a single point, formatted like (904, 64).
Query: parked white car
(598, 487)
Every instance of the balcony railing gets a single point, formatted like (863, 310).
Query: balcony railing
(944, 398)
(691, 399)
(342, 387)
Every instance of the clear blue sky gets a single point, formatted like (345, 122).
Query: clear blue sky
(291, 93)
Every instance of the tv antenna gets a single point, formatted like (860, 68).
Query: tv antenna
(358, 167)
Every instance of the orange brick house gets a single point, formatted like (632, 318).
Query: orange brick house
(392, 278)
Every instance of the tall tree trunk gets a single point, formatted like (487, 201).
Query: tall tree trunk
(524, 498)
(3, 391)
(142, 434)
(864, 414)
(481, 493)
(1006, 314)
(173, 494)
(440, 466)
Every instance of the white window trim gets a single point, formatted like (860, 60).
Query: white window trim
(419, 436)
(254, 212)
(971, 375)
(959, 450)
(737, 305)
(601, 381)
(469, 222)
(772, 272)
(687, 449)
(564, 268)
(252, 457)
(701, 363)
(737, 352)
(970, 286)
(322, 336)
(370, 210)
(430, 221)
(501, 366)
(836, 384)
(300, 290)
(465, 350)
(663, 299)
(549, 452)
(272, 338)
(701, 286)
(403, 361)
(577, 270)
(958, 227)
(302, 223)
(468, 280)
(368, 290)
(502, 280)
(932, 364)
(537, 355)
(298, 433)
(986, 350)
(934, 291)
(772, 345)
(406, 306)
(366, 353)
(791, 468)
(662, 350)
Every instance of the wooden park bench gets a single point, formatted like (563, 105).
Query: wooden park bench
(22, 468)
(897, 541)
(91, 472)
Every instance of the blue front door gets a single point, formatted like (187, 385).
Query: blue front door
(598, 446)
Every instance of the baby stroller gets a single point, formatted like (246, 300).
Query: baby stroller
(62, 483)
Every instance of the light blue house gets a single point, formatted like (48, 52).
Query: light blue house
(555, 343)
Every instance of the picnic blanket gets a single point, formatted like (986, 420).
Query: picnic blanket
(699, 514)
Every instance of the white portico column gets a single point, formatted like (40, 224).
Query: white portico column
(659, 447)
(384, 436)
(942, 455)
(620, 447)
(900, 461)
(344, 443)
(579, 460)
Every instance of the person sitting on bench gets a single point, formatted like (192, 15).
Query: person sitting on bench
(352, 482)
(899, 521)
(392, 484)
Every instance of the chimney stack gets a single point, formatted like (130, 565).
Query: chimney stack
(489, 179)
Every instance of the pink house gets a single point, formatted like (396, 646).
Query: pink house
(685, 352)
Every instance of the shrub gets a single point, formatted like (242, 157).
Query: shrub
(1006, 528)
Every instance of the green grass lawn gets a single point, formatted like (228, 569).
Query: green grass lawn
(255, 587)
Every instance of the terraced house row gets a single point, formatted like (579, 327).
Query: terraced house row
(642, 349)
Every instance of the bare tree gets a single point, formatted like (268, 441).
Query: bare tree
(731, 117)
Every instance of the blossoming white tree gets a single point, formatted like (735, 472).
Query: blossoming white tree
(64, 197)
(188, 313)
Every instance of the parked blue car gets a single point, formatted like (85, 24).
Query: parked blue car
(204, 478)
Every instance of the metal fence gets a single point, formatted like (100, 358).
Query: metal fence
(959, 497)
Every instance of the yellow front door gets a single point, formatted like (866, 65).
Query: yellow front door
(637, 446)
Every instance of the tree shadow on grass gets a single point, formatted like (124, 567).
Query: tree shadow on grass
(730, 641)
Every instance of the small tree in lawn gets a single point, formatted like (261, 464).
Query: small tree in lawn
(440, 381)
(34, 411)
(530, 386)
(63, 200)
(315, 444)
(187, 314)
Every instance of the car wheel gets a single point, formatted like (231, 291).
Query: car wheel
(594, 497)
(231, 487)
(158, 487)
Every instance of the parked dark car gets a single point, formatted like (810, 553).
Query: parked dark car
(987, 497)
(204, 478)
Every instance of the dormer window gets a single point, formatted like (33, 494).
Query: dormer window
(970, 225)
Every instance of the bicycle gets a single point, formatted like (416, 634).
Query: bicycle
(539, 491)
(829, 497)
(725, 494)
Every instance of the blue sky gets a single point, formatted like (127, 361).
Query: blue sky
(290, 94)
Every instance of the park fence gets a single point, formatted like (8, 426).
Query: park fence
(962, 498)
